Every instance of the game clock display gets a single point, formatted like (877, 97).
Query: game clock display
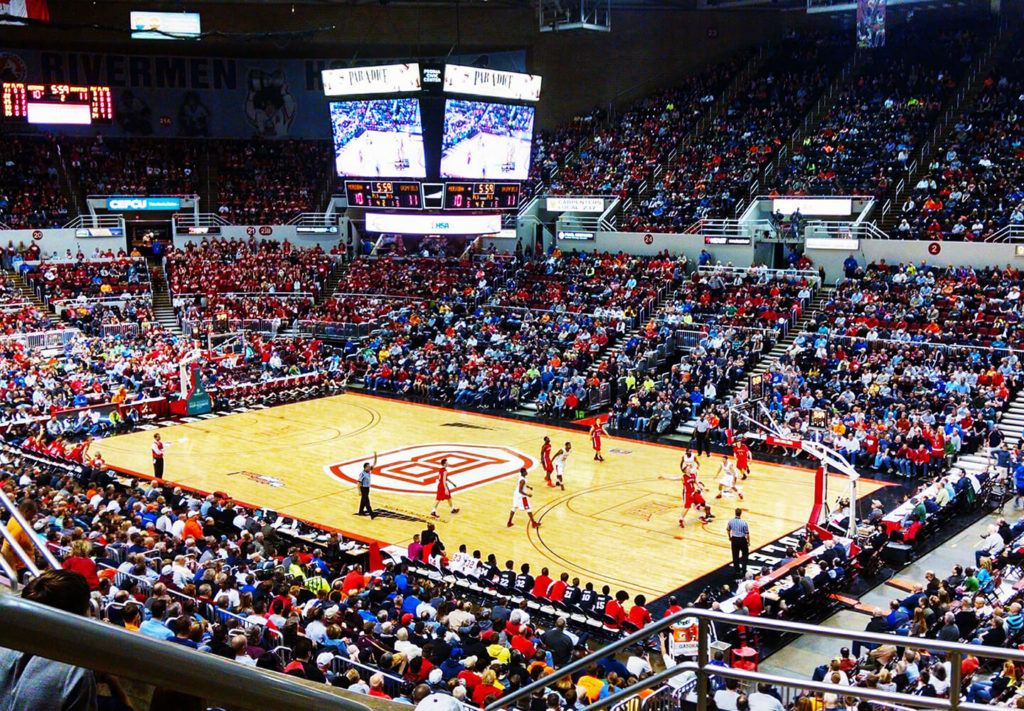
(384, 193)
(57, 103)
(481, 196)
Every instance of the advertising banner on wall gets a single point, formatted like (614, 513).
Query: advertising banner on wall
(220, 97)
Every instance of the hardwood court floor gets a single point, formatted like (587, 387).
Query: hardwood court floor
(615, 523)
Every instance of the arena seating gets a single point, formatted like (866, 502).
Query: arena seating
(88, 279)
(860, 364)
(253, 267)
(134, 166)
(270, 182)
(31, 193)
(624, 152)
(16, 314)
(721, 322)
(865, 139)
(716, 168)
(973, 185)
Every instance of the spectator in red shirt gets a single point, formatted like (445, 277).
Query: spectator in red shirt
(521, 642)
(753, 601)
(638, 614)
(615, 610)
(542, 585)
(557, 591)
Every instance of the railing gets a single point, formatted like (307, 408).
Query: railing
(781, 274)
(1009, 233)
(729, 227)
(44, 339)
(25, 556)
(91, 302)
(51, 633)
(96, 222)
(202, 219)
(844, 230)
(704, 671)
(313, 219)
(126, 329)
(194, 327)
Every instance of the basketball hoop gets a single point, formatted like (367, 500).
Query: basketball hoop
(753, 420)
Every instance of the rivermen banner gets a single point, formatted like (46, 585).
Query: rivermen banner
(206, 96)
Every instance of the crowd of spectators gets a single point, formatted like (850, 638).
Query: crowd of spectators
(722, 322)
(972, 187)
(865, 139)
(715, 169)
(31, 194)
(18, 315)
(963, 306)
(87, 279)
(624, 152)
(134, 166)
(872, 375)
(246, 267)
(501, 331)
(209, 574)
(270, 182)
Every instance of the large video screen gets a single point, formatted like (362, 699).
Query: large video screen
(486, 141)
(379, 138)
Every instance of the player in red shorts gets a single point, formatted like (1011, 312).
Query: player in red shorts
(693, 495)
(444, 490)
(742, 453)
(545, 459)
(596, 432)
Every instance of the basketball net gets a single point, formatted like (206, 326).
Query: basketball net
(755, 422)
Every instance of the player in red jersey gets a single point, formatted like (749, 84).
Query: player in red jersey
(444, 490)
(693, 494)
(545, 460)
(742, 453)
(596, 432)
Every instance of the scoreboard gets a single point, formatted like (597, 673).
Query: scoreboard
(57, 103)
(481, 196)
(415, 195)
(401, 195)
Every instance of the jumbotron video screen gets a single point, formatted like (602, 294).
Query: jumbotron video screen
(485, 141)
(378, 138)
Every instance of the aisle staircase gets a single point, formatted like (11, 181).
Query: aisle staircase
(685, 430)
(27, 292)
(957, 106)
(163, 308)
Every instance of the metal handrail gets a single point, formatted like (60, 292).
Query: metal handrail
(48, 632)
(955, 651)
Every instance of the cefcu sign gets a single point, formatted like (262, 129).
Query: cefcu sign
(130, 204)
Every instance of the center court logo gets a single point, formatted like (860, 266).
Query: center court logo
(413, 470)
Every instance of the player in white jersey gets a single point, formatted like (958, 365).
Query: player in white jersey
(559, 460)
(689, 462)
(727, 479)
(521, 500)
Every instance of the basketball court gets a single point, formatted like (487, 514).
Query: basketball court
(616, 523)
